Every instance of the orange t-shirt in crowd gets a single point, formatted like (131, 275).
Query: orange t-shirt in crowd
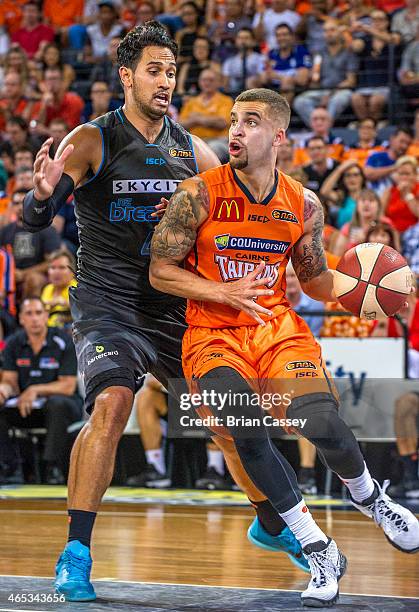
(398, 211)
(63, 13)
(238, 234)
(414, 149)
(302, 158)
(11, 14)
(220, 105)
(360, 155)
(18, 110)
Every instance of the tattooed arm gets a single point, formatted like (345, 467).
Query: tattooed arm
(173, 239)
(308, 256)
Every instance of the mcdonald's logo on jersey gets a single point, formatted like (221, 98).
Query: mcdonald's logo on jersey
(229, 210)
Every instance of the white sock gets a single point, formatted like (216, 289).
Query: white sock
(215, 460)
(303, 525)
(156, 458)
(360, 488)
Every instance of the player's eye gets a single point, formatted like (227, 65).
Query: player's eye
(252, 123)
(171, 75)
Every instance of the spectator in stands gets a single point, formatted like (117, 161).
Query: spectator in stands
(350, 15)
(100, 34)
(55, 296)
(366, 144)
(368, 212)
(405, 23)
(145, 12)
(409, 71)
(8, 323)
(188, 75)
(223, 31)
(185, 37)
(381, 165)
(414, 147)
(51, 58)
(33, 83)
(58, 130)
(23, 178)
(40, 371)
(406, 418)
(108, 69)
(57, 102)
(285, 156)
(321, 165)
(288, 65)
(15, 60)
(334, 72)
(300, 302)
(17, 133)
(32, 32)
(321, 125)
(374, 51)
(207, 115)
(342, 188)
(401, 200)
(23, 162)
(30, 250)
(13, 102)
(410, 247)
(310, 29)
(384, 233)
(242, 71)
(100, 102)
(266, 20)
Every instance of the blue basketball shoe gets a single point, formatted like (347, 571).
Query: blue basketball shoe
(284, 542)
(72, 573)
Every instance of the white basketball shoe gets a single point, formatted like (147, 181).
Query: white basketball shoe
(399, 524)
(327, 566)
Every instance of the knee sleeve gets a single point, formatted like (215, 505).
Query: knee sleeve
(117, 377)
(329, 433)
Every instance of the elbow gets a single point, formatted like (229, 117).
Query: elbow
(155, 277)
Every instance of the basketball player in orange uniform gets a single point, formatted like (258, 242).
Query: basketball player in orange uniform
(234, 228)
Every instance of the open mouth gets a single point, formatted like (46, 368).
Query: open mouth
(235, 148)
(162, 98)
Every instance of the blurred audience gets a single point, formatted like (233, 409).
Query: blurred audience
(243, 70)
(321, 165)
(342, 188)
(401, 200)
(50, 57)
(266, 20)
(188, 75)
(55, 296)
(366, 143)
(185, 37)
(380, 165)
(321, 125)
(100, 102)
(101, 32)
(32, 31)
(107, 70)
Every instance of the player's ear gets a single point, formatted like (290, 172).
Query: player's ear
(126, 75)
(280, 137)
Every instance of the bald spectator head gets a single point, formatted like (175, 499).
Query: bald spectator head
(209, 82)
(321, 122)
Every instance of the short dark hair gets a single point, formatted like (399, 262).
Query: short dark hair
(19, 121)
(361, 121)
(151, 34)
(316, 138)
(286, 26)
(24, 149)
(403, 129)
(278, 104)
(25, 191)
(246, 29)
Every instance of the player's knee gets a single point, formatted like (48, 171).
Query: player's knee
(252, 449)
(406, 405)
(317, 413)
(111, 411)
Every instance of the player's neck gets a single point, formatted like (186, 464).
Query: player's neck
(259, 181)
(149, 128)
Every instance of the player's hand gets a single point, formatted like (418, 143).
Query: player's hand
(46, 171)
(26, 400)
(242, 294)
(160, 208)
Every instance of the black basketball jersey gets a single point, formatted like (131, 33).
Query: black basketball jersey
(113, 207)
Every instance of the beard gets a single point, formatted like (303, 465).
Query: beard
(143, 107)
(239, 163)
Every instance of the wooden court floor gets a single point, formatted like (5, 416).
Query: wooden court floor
(196, 545)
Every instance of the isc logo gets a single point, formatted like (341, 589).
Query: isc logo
(258, 218)
(155, 161)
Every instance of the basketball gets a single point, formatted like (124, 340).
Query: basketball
(372, 281)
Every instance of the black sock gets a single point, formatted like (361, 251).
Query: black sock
(410, 466)
(81, 526)
(269, 517)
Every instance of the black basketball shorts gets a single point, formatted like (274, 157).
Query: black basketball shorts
(116, 344)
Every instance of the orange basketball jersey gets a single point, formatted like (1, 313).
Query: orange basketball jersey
(239, 233)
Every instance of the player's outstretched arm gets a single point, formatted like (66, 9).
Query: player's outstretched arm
(55, 179)
(308, 256)
(174, 238)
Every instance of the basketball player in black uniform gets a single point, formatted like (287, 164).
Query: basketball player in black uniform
(119, 166)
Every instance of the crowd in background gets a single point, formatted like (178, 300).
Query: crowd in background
(349, 69)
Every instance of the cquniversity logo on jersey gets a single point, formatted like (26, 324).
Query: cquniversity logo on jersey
(246, 243)
(123, 209)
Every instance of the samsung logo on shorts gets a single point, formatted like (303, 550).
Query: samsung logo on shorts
(152, 185)
(245, 243)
